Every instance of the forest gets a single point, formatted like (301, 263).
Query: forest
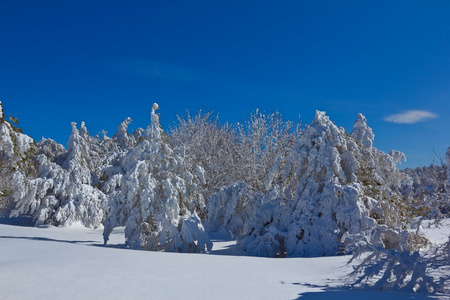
(279, 188)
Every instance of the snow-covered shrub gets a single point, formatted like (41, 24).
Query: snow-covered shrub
(233, 206)
(331, 183)
(156, 194)
(228, 208)
(427, 191)
(396, 259)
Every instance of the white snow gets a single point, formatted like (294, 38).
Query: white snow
(72, 263)
(439, 235)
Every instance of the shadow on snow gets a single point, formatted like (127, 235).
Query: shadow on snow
(17, 221)
(347, 293)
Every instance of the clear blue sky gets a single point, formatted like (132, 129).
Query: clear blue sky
(103, 61)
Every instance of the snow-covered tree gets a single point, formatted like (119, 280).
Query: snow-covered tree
(427, 190)
(17, 151)
(62, 192)
(239, 153)
(52, 150)
(332, 183)
(79, 159)
(123, 138)
(212, 145)
(156, 196)
(400, 259)
(391, 261)
(281, 190)
(260, 141)
(233, 206)
(54, 199)
(14, 145)
(362, 132)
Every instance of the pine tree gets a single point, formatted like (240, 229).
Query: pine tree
(17, 152)
(331, 183)
(156, 197)
(62, 192)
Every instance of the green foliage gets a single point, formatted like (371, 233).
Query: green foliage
(14, 120)
(5, 189)
(28, 164)
(17, 160)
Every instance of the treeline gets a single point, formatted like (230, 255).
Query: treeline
(280, 188)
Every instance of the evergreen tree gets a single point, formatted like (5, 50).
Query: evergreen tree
(156, 197)
(17, 152)
(62, 194)
(331, 183)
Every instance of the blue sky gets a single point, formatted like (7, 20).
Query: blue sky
(103, 61)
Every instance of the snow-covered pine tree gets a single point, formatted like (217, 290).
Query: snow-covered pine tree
(362, 132)
(122, 137)
(156, 196)
(17, 151)
(62, 194)
(53, 150)
(332, 183)
(79, 157)
(14, 145)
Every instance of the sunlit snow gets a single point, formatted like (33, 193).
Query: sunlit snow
(72, 263)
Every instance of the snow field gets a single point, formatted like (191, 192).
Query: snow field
(72, 263)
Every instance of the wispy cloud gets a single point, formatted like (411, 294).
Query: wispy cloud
(154, 69)
(411, 117)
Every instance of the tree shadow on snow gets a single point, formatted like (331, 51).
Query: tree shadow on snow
(36, 238)
(17, 221)
(115, 246)
(345, 293)
(84, 243)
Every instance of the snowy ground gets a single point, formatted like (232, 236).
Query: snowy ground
(72, 263)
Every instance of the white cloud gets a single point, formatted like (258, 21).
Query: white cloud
(411, 117)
